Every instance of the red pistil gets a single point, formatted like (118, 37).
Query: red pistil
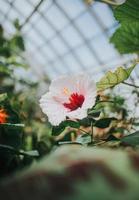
(75, 101)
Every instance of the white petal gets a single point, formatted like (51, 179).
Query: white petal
(89, 101)
(83, 81)
(57, 86)
(54, 110)
(90, 96)
(77, 114)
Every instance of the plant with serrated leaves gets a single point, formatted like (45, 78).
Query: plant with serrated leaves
(126, 37)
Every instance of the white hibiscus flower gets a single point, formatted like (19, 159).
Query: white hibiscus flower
(69, 97)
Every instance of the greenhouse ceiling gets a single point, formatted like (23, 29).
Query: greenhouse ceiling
(64, 37)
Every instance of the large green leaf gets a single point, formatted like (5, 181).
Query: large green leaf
(128, 12)
(104, 123)
(87, 121)
(132, 139)
(113, 78)
(56, 130)
(126, 38)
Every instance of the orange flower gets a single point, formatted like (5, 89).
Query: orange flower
(3, 116)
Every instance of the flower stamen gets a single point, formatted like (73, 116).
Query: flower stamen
(66, 91)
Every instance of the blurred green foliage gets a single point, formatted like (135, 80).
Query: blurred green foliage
(25, 129)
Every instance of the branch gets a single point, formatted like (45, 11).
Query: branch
(129, 84)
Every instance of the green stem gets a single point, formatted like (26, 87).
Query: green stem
(92, 132)
(130, 84)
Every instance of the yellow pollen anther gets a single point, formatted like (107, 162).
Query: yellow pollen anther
(66, 91)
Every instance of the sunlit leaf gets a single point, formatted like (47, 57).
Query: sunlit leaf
(3, 97)
(113, 78)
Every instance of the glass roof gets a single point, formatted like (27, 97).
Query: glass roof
(64, 36)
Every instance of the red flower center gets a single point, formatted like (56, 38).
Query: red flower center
(75, 101)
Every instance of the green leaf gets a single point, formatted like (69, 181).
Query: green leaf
(33, 153)
(87, 121)
(136, 123)
(104, 123)
(12, 126)
(72, 124)
(111, 138)
(1, 31)
(113, 78)
(128, 12)
(17, 43)
(4, 70)
(20, 42)
(11, 134)
(3, 97)
(5, 51)
(16, 24)
(43, 147)
(132, 139)
(94, 113)
(118, 100)
(126, 38)
(56, 130)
